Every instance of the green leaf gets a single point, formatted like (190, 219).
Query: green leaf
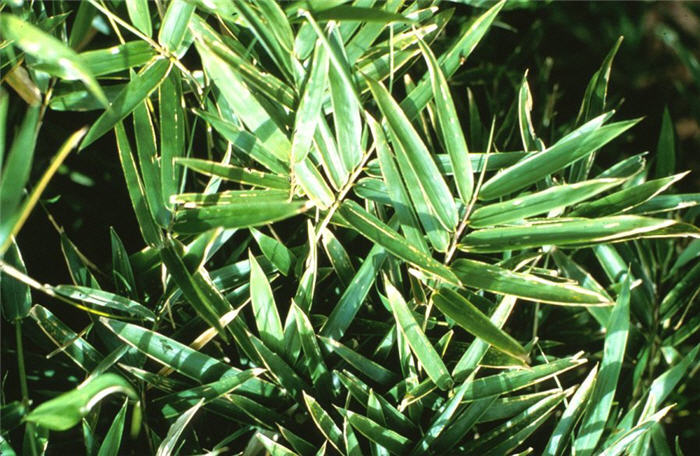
(565, 232)
(172, 135)
(238, 213)
(71, 344)
(338, 256)
(594, 99)
(577, 144)
(174, 26)
(419, 97)
(396, 188)
(206, 300)
(391, 440)
(350, 302)
(469, 317)
(313, 358)
(311, 181)
(139, 15)
(471, 358)
(414, 158)
(324, 423)
(375, 230)
(606, 382)
(106, 299)
(114, 59)
(527, 131)
(149, 230)
(577, 405)
(480, 275)
(626, 199)
(246, 143)
(276, 252)
(267, 319)
(15, 296)
(113, 438)
(346, 106)
(633, 435)
(52, 55)
(366, 366)
(122, 272)
(148, 159)
(666, 147)
(167, 446)
(273, 448)
(182, 400)
(420, 345)
(135, 92)
(450, 128)
(15, 173)
(505, 438)
(517, 379)
(554, 198)
(65, 411)
(235, 174)
(252, 113)
(309, 109)
(360, 14)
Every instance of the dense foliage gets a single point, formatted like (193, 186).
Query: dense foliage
(341, 227)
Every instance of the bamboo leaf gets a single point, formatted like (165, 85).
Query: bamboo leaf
(135, 92)
(469, 317)
(432, 189)
(51, 54)
(603, 393)
(502, 281)
(420, 345)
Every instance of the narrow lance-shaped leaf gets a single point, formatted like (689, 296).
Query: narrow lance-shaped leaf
(65, 411)
(387, 438)
(527, 132)
(420, 345)
(450, 127)
(469, 317)
(626, 199)
(147, 152)
(113, 438)
(206, 300)
(419, 97)
(396, 188)
(176, 429)
(324, 422)
(15, 296)
(140, 16)
(574, 231)
(52, 55)
(577, 144)
(235, 173)
(375, 230)
(603, 393)
(237, 213)
(18, 165)
(346, 107)
(267, 318)
(117, 58)
(666, 147)
(174, 25)
(553, 198)
(149, 230)
(561, 434)
(503, 281)
(432, 188)
(309, 110)
(135, 92)
(172, 134)
(244, 102)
